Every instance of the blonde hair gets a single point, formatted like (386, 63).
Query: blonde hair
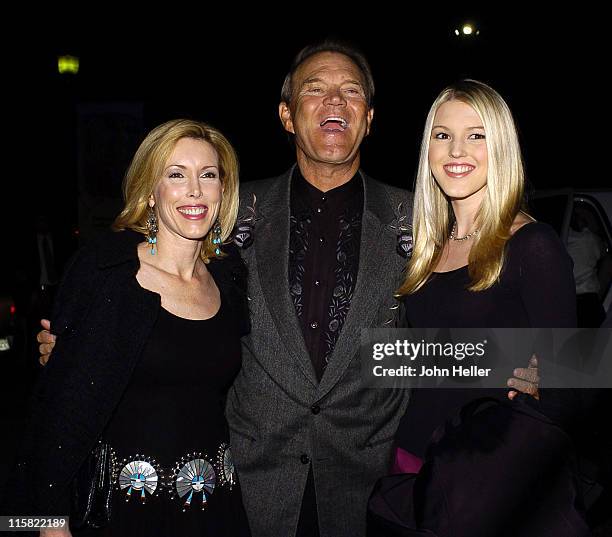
(502, 202)
(147, 167)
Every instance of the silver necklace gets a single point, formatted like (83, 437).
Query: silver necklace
(465, 238)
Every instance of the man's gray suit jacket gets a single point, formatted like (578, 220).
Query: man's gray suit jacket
(281, 419)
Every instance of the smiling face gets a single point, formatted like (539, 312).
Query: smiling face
(328, 113)
(187, 197)
(458, 151)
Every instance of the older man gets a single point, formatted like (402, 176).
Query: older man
(321, 243)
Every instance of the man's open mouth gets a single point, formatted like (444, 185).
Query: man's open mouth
(334, 123)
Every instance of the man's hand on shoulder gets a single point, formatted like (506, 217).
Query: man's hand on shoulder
(525, 380)
(46, 340)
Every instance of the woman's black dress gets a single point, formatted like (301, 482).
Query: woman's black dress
(505, 470)
(173, 408)
(536, 289)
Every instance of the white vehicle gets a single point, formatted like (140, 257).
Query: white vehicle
(559, 207)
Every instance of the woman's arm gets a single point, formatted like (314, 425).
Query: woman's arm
(546, 280)
(51, 410)
(68, 290)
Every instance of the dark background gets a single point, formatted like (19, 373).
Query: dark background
(226, 67)
(69, 138)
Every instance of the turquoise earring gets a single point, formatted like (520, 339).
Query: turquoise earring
(152, 230)
(216, 238)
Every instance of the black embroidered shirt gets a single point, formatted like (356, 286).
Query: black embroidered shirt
(325, 232)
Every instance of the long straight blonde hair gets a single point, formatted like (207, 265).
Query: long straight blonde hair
(433, 214)
(147, 167)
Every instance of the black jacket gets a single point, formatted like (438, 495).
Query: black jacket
(102, 317)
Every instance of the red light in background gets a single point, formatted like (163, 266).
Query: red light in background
(13, 309)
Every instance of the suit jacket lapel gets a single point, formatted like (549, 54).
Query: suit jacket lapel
(378, 242)
(272, 251)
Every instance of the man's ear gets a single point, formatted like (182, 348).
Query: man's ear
(284, 113)
(369, 119)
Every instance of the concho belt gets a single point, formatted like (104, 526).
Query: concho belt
(192, 480)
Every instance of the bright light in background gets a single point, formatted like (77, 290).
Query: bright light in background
(467, 30)
(67, 65)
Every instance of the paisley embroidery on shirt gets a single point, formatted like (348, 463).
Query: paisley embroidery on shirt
(347, 257)
(298, 246)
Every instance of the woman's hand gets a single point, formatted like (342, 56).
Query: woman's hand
(525, 380)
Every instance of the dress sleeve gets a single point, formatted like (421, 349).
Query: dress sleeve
(546, 280)
(76, 291)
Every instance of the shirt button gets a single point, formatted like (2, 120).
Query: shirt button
(315, 409)
(305, 459)
(319, 209)
(314, 324)
(323, 198)
(321, 240)
(317, 282)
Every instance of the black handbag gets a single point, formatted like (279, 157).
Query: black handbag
(92, 490)
(496, 468)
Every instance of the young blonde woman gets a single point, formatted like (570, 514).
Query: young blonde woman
(497, 468)
(478, 259)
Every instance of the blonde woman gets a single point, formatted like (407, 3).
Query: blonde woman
(148, 322)
(478, 259)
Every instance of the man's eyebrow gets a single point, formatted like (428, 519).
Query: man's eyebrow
(352, 81)
(318, 79)
(312, 79)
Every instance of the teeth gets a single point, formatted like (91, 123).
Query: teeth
(459, 169)
(193, 212)
(342, 121)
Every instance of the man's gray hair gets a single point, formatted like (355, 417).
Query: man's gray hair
(331, 45)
